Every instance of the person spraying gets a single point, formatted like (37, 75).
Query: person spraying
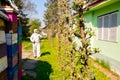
(35, 39)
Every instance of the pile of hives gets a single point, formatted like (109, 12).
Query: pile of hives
(10, 48)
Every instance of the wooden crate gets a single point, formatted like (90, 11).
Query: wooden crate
(15, 77)
(3, 50)
(12, 49)
(19, 56)
(19, 48)
(3, 75)
(19, 30)
(19, 39)
(2, 28)
(11, 27)
(12, 60)
(12, 72)
(19, 64)
(11, 38)
(19, 61)
(2, 24)
(19, 74)
(3, 63)
(2, 37)
(12, 17)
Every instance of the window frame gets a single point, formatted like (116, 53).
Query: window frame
(102, 36)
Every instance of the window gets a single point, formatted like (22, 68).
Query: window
(107, 27)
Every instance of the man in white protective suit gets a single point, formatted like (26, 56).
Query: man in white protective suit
(35, 39)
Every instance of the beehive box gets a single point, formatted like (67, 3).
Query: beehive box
(12, 72)
(12, 17)
(11, 26)
(19, 74)
(19, 30)
(19, 68)
(11, 39)
(19, 48)
(19, 64)
(15, 77)
(3, 75)
(12, 49)
(3, 63)
(2, 37)
(2, 28)
(12, 60)
(3, 49)
(19, 56)
(19, 39)
(19, 61)
(2, 24)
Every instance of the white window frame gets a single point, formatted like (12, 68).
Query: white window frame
(109, 27)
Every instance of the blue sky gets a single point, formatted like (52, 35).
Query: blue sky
(40, 8)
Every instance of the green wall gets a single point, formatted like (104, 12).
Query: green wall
(109, 49)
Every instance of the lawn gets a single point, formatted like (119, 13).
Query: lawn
(26, 45)
(48, 65)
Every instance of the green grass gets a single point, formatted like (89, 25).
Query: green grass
(103, 63)
(49, 55)
(48, 65)
(100, 75)
(26, 45)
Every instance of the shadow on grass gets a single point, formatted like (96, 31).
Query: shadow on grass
(45, 53)
(42, 69)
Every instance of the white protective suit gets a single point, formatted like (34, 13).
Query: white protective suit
(35, 39)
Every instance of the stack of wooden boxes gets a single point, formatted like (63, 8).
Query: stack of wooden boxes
(12, 46)
(19, 52)
(3, 52)
(10, 42)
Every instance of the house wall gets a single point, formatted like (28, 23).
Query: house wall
(110, 51)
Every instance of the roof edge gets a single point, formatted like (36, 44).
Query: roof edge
(4, 16)
(13, 6)
(101, 5)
